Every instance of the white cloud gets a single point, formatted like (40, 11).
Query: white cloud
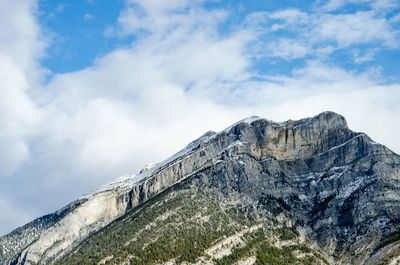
(157, 7)
(290, 16)
(333, 5)
(20, 36)
(20, 47)
(292, 33)
(357, 28)
(360, 57)
(278, 20)
(164, 17)
(287, 48)
(377, 5)
(18, 117)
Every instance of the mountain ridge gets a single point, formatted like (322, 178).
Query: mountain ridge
(320, 138)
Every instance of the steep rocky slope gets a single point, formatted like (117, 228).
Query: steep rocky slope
(308, 192)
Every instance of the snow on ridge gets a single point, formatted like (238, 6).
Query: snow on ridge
(130, 180)
(148, 166)
(188, 149)
(247, 120)
(122, 182)
(284, 124)
(251, 119)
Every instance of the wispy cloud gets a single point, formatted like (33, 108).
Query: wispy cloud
(293, 33)
(287, 48)
(378, 5)
(88, 17)
(356, 28)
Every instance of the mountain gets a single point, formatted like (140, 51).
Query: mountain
(259, 192)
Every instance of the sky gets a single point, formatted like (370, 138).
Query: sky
(94, 89)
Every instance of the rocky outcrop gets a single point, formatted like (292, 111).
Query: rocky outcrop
(97, 211)
(20, 238)
(347, 199)
(337, 184)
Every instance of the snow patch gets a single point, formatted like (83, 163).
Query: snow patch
(148, 166)
(122, 182)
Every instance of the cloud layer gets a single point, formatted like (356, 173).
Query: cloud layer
(182, 74)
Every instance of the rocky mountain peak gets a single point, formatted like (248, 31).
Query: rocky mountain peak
(331, 181)
(292, 139)
(324, 120)
(328, 119)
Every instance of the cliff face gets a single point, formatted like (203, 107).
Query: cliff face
(337, 186)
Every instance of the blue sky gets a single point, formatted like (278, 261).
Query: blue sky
(79, 34)
(92, 90)
(77, 30)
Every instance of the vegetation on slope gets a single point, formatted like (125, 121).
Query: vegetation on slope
(181, 225)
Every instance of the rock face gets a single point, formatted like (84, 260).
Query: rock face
(338, 187)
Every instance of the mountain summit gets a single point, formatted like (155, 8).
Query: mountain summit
(310, 191)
